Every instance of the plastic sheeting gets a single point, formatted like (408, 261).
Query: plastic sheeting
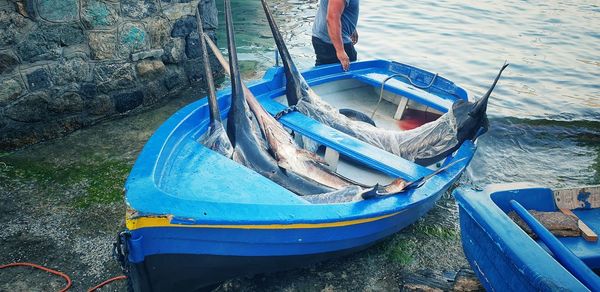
(426, 141)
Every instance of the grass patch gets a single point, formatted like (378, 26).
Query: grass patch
(435, 231)
(401, 251)
(103, 179)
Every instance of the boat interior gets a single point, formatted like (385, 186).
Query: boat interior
(387, 109)
(180, 167)
(583, 202)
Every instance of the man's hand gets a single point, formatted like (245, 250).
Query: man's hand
(344, 59)
(354, 37)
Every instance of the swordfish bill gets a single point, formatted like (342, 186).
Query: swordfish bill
(216, 138)
(250, 149)
(296, 86)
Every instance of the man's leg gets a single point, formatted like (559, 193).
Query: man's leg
(325, 52)
(350, 51)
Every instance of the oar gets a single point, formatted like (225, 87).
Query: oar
(562, 254)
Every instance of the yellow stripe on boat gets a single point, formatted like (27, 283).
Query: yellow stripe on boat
(164, 221)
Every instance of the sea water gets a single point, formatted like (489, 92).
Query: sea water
(545, 112)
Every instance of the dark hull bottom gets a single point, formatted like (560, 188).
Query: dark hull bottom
(191, 272)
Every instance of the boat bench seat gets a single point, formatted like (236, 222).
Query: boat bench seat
(375, 78)
(347, 145)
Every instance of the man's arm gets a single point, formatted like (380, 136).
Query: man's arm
(334, 28)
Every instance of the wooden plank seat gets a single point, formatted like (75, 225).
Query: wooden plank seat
(347, 145)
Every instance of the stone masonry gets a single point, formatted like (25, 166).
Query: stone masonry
(67, 64)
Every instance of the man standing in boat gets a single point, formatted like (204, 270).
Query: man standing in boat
(334, 32)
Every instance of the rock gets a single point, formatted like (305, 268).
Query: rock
(58, 10)
(139, 8)
(150, 68)
(466, 281)
(132, 38)
(110, 77)
(8, 62)
(38, 79)
(127, 101)
(88, 90)
(174, 11)
(194, 70)
(71, 71)
(69, 102)
(99, 105)
(174, 51)
(97, 14)
(34, 47)
(71, 35)
(175, 78)
(209, 14)
(10, 89)
(154, 92)
(31, 108)
(158, 30)
(155, 54)
(192, 46)
(102, 45)
(12, 25)
(184, 26)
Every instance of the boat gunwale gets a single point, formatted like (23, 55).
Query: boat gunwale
(144, 183)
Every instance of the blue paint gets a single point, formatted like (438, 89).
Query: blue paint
(503, 256)
(175, 175)
(584, 198)
(563, 255)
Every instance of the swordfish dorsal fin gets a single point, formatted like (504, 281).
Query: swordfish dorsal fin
(296, 87)
(480, 106)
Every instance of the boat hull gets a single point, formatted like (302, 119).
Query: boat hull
(502, 255)
(189, 259)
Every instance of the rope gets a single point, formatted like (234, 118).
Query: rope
(409, 80)
(106, 282)
(64, 276)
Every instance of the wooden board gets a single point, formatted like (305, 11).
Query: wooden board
(587, 233)
(575, 198)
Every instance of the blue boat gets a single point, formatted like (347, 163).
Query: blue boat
(505, 258)
(196, 218)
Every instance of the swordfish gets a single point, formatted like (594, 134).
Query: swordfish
(250, 125)
(425, 145)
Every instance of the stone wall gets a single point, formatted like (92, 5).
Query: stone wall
(67, 64)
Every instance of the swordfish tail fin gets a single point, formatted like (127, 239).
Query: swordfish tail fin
(215, 114)
(296, 86)
(481, 105)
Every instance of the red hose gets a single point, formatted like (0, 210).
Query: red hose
(106, 282)
(43, 269)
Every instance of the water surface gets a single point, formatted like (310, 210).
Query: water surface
(545, 113)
